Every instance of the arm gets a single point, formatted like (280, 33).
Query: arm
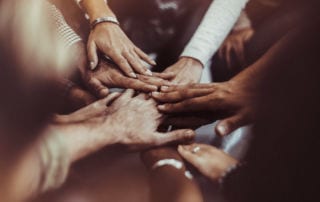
(212, 31)
(214, 28)
(109, 38)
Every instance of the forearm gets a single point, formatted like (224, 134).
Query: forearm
(214, 28)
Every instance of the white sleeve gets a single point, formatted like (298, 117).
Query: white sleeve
(213, 29)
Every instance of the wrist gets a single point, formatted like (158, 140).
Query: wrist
(189, 61)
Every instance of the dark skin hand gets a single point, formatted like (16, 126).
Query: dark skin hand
(229, 101)
(210, 161)
(235, 43)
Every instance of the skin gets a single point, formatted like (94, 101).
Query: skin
(108, 75)
(92, 128)
(168, 183)
(235, 43)
(186, 70)
(232, 101)
(210, 161)
(112, 41)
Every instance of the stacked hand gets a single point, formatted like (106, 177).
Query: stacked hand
(231, 101)
(210, 161)
(108, 75)
(120, 119)
(185, 71)
(112, 42)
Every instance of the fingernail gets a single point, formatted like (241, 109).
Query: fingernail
(92, 66)
(133, 75)
(164, 88)
(155, 94)
(153, 62)
(180, 147)
(189, 133)
(222, 130)
(148, 72)
(162, 107)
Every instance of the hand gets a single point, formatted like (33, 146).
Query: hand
(96, 109)
(235, 43)
(134, 121)
(112, 42)
(186, 70)
(210, 161)
(108, 76)
(232, 101)
(185, 120)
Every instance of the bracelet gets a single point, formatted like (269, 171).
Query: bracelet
(167, 162)
(104, 19)
(174, 163)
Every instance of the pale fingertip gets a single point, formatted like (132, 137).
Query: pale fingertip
(155, 94)
(153, 62)
(189, 133)
(164, 88)
(133, 75)
(92, 65)
(222, 129)
(162, 107)
(148, 72)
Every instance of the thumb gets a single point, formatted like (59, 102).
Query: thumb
(176, 136)
(228, 125)
(92, 55)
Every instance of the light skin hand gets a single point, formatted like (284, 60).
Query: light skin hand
(109, 76)
(113, 42)
(229, 101)
(186, 70)
(140, 116)
(210, 161)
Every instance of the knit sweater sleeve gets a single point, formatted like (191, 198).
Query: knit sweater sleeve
(213, 29)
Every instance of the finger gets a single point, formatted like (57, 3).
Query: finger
(123, 64)
(176, 136)
(98, 88)
(137, 85)
(189, 105)
(136, 63)
(92, 55)
(189, 86)
(186, 153)
(177, 96)
(127, 94)
(165, 75)
(221, 51)
(145, 57)
(228, 125)
(239, 50)
(154, 80)
(228, 53)
(110, 98)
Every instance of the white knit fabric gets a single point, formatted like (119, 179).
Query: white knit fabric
(213, 29)
(64, 31)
